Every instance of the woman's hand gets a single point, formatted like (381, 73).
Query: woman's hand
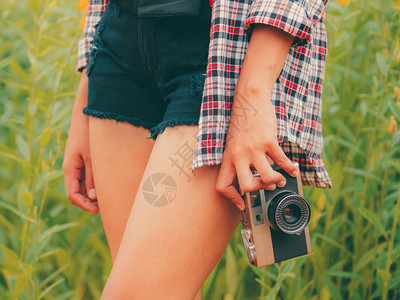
(77, 166)
(251, 139)
(252, 133)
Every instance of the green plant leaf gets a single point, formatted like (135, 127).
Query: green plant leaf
(344, 274)
(27, 198)
(382, 63)
(363, 173)
(56, 228)
(371, 217)
(333, 290)
(385, 275)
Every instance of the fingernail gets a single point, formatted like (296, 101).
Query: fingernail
(295, 173)
(92, 193)
(272, 186)
(282, 183)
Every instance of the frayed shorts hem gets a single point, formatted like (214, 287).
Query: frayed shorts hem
(160, 128)
(154, 129)
(117, 117)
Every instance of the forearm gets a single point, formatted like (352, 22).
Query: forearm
(264, 60)
(81, 95)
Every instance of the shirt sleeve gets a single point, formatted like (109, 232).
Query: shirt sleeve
(296, 17)
(94, 11)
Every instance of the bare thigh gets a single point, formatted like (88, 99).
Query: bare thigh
(168, 251)
(119, 154)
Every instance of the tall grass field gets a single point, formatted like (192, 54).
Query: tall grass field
(50, 249)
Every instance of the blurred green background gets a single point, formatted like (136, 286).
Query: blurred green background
(50, 249)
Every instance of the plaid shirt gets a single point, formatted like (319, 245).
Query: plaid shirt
(296, 95)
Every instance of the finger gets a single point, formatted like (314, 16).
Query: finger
(82, 188)
(280, 158)
(270, 177)
(71, 175)
(72, 186)
(84, 203)
(247, 181)
(80, 199)
(224, 185)
(89, 179)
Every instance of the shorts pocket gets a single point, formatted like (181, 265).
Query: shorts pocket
(95, 43)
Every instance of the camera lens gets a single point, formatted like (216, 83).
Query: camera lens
(288, 212)
(291, 213)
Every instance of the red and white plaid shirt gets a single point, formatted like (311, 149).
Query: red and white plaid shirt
(297, 93)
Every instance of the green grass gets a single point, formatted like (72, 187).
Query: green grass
(50, 249)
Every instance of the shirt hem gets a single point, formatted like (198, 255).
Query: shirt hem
(316, 177)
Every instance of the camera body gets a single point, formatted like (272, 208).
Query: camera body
(275, 223)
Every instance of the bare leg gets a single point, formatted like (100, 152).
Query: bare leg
(168, 252)
(119, 154)
(198, 295)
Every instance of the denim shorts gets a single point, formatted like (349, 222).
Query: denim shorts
(147, 71)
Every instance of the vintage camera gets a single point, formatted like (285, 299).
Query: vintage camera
(275, 223)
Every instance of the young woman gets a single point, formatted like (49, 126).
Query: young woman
(169, 129)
